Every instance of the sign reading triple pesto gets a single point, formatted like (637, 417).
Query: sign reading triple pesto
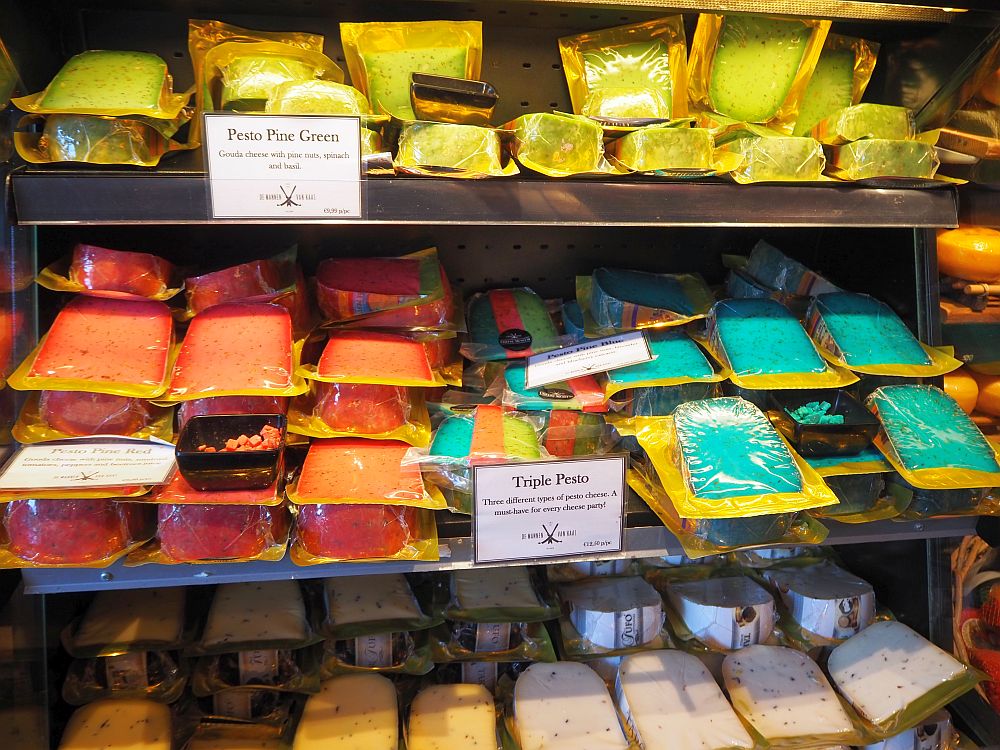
(283, 166)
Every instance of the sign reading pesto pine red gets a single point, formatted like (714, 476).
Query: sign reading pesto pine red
(546, 509)
(283, 166)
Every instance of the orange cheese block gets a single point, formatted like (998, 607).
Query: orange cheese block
(367, 356)
(970, 253)
(961, 385)
(487, 436)
(106, 341)
(236, 348)
(988, 400)
(354, 470)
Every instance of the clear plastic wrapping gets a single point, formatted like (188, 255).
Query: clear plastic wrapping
(841, 76)
(917, 504)
(577, 394)
(491, 595)
(774, 158)
(285, 670)
(862, 497)
(229, 405)
(178, 492)
(723, 613)
(611, 615)
(778, 271)
(317, 97)
(559, 145)
(570, 433)
(382, 653)
(55, 415)
(101, 272)
(441, 149)
(874, 158)
(667, 149)
(615, 300)
(153, 675)
(340, 533)
(277, 279)
(491, 642)
(371, 605)
(509, 324)
(866, 122)
(119, 622)
(628, 72)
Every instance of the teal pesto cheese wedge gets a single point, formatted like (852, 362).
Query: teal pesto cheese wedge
(623, 300)
(861, 331)
(927, 429)
(775, 270)
(728, 448)
(572, 320)
(675, 355)
(108, 80)
(760, 337)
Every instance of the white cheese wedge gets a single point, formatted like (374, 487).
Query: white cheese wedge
(615, 612)
(493, 588)
(565, 706)
(354, 599)
(452, 717)
(824, 599)
(119, 724)
(888, 666)
(132, 616)
(245, 613)
(724, 613)
(783, 694)
(671, 702)
(353, 712)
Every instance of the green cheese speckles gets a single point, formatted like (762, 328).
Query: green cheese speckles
(389, 73)
(755, 63)
(866, 121)
(829, 89)
(110, 80)
(873, 158)
(760, 336)
(778, 159)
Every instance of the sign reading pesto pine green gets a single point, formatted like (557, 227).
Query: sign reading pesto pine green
(572, 507)
(283, 166)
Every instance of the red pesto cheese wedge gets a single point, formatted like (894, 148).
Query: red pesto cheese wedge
(216, 532)
(13, 329)
(235, 347)
(103, 341)
(346, 469)
(178, 492)
(362, 408)
(79, 413)
(200, 407)
(390, 276)
(257, 278)
(355, 532)
(102, 270)
(354, 356)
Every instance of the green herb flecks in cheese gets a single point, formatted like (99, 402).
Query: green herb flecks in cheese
(110, 80)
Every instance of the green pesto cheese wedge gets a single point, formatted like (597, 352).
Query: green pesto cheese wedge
(755, 63)
(830, 89)
(436, 144)
(558, 144)
(108, 80)
(654, 148)
(778, 159)
(317, 97)
(248, 82)
(876, 157)
(866, 121)
(629, 80)
(389, 73)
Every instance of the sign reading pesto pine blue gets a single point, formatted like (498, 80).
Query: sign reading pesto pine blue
(283, 166)
(544, 509)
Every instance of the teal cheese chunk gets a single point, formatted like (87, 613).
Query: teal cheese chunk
(761, 337)
(615, 291)
(772, 268)
(572, 320)
(927, 429)
(740, 532)
(453, 437)
(108, 80)
(816, 412)
(675, 355)
(730, 449)
(867, 332)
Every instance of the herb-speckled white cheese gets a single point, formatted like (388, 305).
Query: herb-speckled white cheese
(132, 616)
(783, 694)
(565, 706)
(888, 666)
(824, 599)
(615, 612)
(726, 613)
(119, 724)
(452, 717)
(244, 613)
(671, 702)
(353, 599)
(493, 588)
(222, 741)
(352, 712)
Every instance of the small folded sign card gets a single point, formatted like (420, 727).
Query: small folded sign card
(588, 358)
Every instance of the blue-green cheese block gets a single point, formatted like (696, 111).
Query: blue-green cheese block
(663, 148)
(740, 532)
(928, 429)
(675, 355)
(248, 82)
(729, 449)
(873, 158)
(317, 97)
(772, 268)
(547, 398)
(778, 159)
(761, 337)
(931, 503)
(108, 80)
(857, 493)
(864, 331)
(572, 320)
(560, 143)
(743, 286)
(866, 121)
(437, 144)
(615, 293)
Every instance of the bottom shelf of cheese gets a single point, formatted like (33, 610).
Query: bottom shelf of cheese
(769, 648)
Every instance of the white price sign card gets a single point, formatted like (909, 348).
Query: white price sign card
(72, 464)
(588, 358)
(564, 508)
(284, 166)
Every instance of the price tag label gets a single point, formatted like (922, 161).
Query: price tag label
(284, 166)
(599, 355)
(548, 509)
(76, 464)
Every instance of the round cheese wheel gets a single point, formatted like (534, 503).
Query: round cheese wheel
(362, 408)
(355, 532)
(988, 400)
(79, 413)
(214, 532)
(962, 386)
(970, 253)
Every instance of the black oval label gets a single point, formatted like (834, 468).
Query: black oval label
(555, 394)
(462, 408)
(515, 339)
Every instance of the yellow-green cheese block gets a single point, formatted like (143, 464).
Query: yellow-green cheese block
(317, 97)
(109, 80)
(876, 157)
(654, 148)
(389, 73)
(438, 144)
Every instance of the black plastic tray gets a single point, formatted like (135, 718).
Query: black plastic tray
(455, 100)
(812, 440)
(228, 470)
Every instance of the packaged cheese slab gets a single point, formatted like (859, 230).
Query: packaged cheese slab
(865, 122)
(874, 158)
(335, 533)
(379, 357)
(633, 72)
(614, 613)
(778, 271)
(237, 349)
(576, 394)
(257, 280)
(773, 158)
(109, 82)
(896, 678)
(353, 712)
(786, 698)
(916, 503)
(178, 492)
(134, 619)
(841, 76)
(102, 272)
(824, 600)
(56, 415)
(358, 472)
(621, 300)
(930, 441)
(316, 97)
(754, 68)
(154, 675)
(725, 613)
(247, 712)
(381, 56)
(440, 149)
(491, 642)
(277, 670)
(670, 701)
(381, 653)
(497, 595)
(509, 324)
(371, 605)
(565, 706)
(571, 433)
(113, 346)
(71, 533)
(123, 724)
(665, 148)
(677, 360)
(558, 145)
(268, 614)
(863, 498)
(452, 717)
